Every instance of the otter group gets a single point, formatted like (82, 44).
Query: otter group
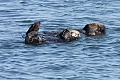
(66, 35)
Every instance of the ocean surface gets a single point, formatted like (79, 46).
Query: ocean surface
(89, 58)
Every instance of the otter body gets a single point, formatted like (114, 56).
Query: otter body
(32, 36)
(66, 35)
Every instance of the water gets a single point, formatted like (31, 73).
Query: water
(88, 58)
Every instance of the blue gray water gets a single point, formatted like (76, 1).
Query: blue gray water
(89, 58)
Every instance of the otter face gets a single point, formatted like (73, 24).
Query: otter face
(75, 33)
(69, 35)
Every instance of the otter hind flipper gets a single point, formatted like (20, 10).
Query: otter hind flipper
(34, 27)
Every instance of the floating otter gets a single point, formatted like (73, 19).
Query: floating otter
(66, 35)
(32, 36)
(94, 28)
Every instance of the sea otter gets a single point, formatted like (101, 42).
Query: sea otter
(94, 28)
(66, 35)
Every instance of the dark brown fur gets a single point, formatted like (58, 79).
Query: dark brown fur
(32, 36)
(34, 27)
(94, 28)
(67, 35)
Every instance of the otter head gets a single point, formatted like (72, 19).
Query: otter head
(69, 35)
(34, 27)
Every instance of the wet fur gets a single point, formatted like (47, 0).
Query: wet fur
(69, 35)
(32, 36)
(66, 35)
(94, 28)
(34, 27)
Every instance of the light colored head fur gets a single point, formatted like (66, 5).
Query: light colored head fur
(69, 35)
